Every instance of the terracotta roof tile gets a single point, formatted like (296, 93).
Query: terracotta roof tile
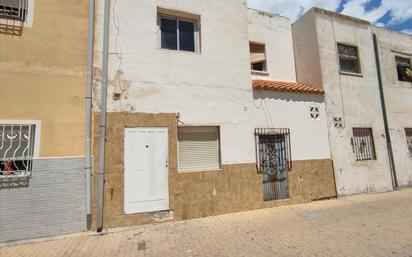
(286, 86)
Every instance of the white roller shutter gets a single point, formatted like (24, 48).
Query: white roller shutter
(198, 148)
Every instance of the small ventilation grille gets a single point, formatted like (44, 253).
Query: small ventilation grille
(338, 122)
(314, 112)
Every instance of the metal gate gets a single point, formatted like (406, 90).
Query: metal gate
(273, 161)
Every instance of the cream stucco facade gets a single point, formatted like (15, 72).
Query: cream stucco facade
(43, 77)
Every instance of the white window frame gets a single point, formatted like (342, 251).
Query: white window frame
(177, 18)
(28, 23)
(218, 145)
(37, 132)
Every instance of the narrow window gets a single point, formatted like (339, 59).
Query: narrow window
(257, 57)
(178, 34)
(16, 149)
(408, 132)
(403, 67)
(363, 145)
(348, 58)
(198, 148)
(14, 9)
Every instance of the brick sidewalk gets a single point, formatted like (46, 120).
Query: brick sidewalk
(367, 225)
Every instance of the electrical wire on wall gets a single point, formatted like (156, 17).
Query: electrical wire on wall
(340, 81)
(119, 76)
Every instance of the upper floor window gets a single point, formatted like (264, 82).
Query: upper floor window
(177, 33)
(257, 57)
(403, 67)
(348, 58)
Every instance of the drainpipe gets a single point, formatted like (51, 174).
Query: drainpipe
(89, 92)
(385, 116)
(102, 121)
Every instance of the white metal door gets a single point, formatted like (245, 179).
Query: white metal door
(146, 170)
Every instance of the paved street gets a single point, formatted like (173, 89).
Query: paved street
(366, 225)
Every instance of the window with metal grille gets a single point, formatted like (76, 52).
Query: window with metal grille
(273, 148)
(198, 148)
(348, 58)
(14, 9)
(408, 132)
(403, 68)
(178, 33)
(363, 145)
(16, 149)
(257, 57)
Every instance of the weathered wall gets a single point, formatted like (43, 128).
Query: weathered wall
(212, 87)
(309, 137)
(236, 187)
(355, 98)
(42, 75)
(53, 203)
(276, 33)
(398, 95)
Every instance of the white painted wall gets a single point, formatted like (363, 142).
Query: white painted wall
(212, 87)
(276, 33)
(309, 137)
(356, 98)
(398, 97)
(271, 109)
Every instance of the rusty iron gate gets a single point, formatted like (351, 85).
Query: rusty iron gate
(274, 162)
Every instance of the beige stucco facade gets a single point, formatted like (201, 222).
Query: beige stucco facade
(43, 75)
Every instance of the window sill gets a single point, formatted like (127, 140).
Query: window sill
(198, 171)
(259, 73)
(14, 177)
(179, 51)
(360, 75)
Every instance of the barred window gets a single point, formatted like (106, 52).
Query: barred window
(403, 68)
(14, 9)
(348, 58)
(408, 132)
(363, 145)
(273, 148)
(16, 149)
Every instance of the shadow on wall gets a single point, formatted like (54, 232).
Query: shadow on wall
(286, 96)
(11, 27)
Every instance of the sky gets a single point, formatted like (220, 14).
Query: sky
(392, 14)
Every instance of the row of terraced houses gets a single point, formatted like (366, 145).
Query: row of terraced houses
(118, 113)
